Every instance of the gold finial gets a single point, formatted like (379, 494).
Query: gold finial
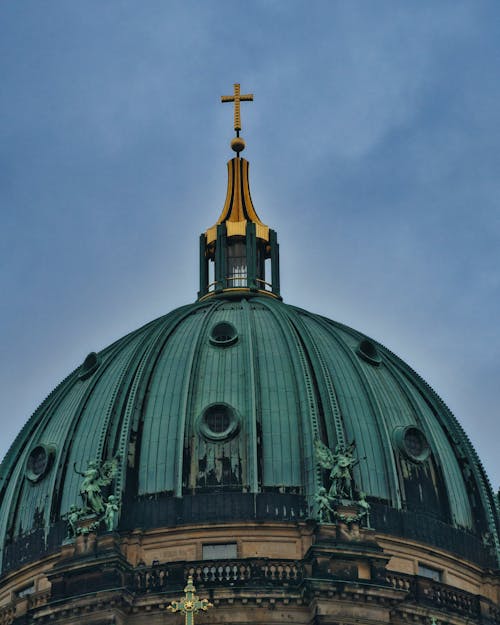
(237, 98)
(191, 604)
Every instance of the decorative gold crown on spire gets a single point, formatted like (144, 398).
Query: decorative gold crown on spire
(235, 250)
(237, 144)
(238, 208)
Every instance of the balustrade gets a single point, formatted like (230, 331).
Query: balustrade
(254, 572)
(436, 594)
(219, 572)
(449, 598)
(401, 581)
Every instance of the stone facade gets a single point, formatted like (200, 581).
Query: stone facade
(280, 573)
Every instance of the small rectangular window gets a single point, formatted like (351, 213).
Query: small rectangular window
(427, 571)
(27, 590)
(221, 551)
(237, 264)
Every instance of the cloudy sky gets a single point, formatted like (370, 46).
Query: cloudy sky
(374, 143)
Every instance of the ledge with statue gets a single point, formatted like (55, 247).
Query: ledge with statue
(342, 511)
(91, 557)
(97, 510)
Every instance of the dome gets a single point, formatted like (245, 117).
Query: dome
(228, 396)
(293, 468)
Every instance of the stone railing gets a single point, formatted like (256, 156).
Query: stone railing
(436, 594)
(7, 614)
(241, 571)
(265, 573)
(448, 598)
(250, 571)
(401, 582)
(38, 598)
(21, 605)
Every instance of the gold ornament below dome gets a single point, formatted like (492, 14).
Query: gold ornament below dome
(238, 144)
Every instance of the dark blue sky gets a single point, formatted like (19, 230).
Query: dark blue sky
(374, 143)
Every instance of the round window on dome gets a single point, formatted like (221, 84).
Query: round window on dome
(90, 364)
(223, 334)
(412, 442)
(39, 462)
(218, 422)
(368, 351)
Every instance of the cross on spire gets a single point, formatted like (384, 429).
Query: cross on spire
(191, 604)
(237, 98)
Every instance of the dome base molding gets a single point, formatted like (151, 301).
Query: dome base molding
(330, 573)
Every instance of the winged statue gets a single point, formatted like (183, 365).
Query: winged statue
(340, 464)
(95, 479)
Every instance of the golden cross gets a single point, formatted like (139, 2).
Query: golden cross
(237, 98)
(191, 604)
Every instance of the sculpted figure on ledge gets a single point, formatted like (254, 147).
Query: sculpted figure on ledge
(96, 509)
(340, 463)
(95, 478)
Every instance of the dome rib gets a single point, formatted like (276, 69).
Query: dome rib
(131, 422)
(186, 411)
(123, 422)
(92, 386)
(165, 328)
(252, 451)
(91, 434)
(161, 443)
(401, 411)
(326, 384)
(280, 401)
(388, 470)
(368, 376)
(40, 498)
(211, 381)
(443, 455)
(312, 472)
(481, 479)
(15, 460)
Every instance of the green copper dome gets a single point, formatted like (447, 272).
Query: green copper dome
(220, 411)
(227, 396)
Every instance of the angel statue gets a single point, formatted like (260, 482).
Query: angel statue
(94, 479)
(341, 464)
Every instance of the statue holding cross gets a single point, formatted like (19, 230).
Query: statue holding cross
(191, 604)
